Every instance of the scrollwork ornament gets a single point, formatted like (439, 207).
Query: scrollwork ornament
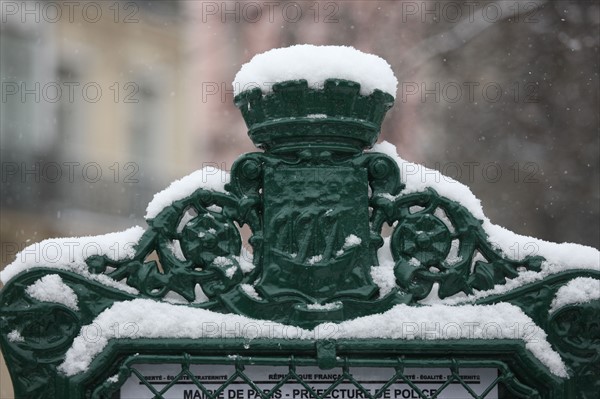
(575, 331)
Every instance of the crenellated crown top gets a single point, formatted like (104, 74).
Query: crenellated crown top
(330, 97)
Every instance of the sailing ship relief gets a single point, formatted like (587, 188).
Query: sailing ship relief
(318, 225)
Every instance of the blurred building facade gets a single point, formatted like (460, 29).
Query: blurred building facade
(95, 116)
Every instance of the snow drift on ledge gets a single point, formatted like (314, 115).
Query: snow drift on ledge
(577, 291)
(401, 322)
(315, 64)
(70, 253)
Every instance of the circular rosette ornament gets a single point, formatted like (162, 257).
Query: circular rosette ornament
(212, 243)
(420, 242)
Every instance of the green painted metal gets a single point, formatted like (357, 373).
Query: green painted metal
(317, 204)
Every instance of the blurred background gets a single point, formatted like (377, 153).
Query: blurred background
(104, 103)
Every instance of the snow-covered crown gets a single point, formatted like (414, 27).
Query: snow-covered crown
(328, 96)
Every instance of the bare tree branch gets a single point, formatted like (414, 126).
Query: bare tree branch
(465, 30)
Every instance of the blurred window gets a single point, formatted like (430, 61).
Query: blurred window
(16, 66)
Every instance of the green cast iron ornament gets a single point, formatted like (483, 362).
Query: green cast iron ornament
(317, 199)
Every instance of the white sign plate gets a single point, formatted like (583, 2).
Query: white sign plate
(265, 377)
